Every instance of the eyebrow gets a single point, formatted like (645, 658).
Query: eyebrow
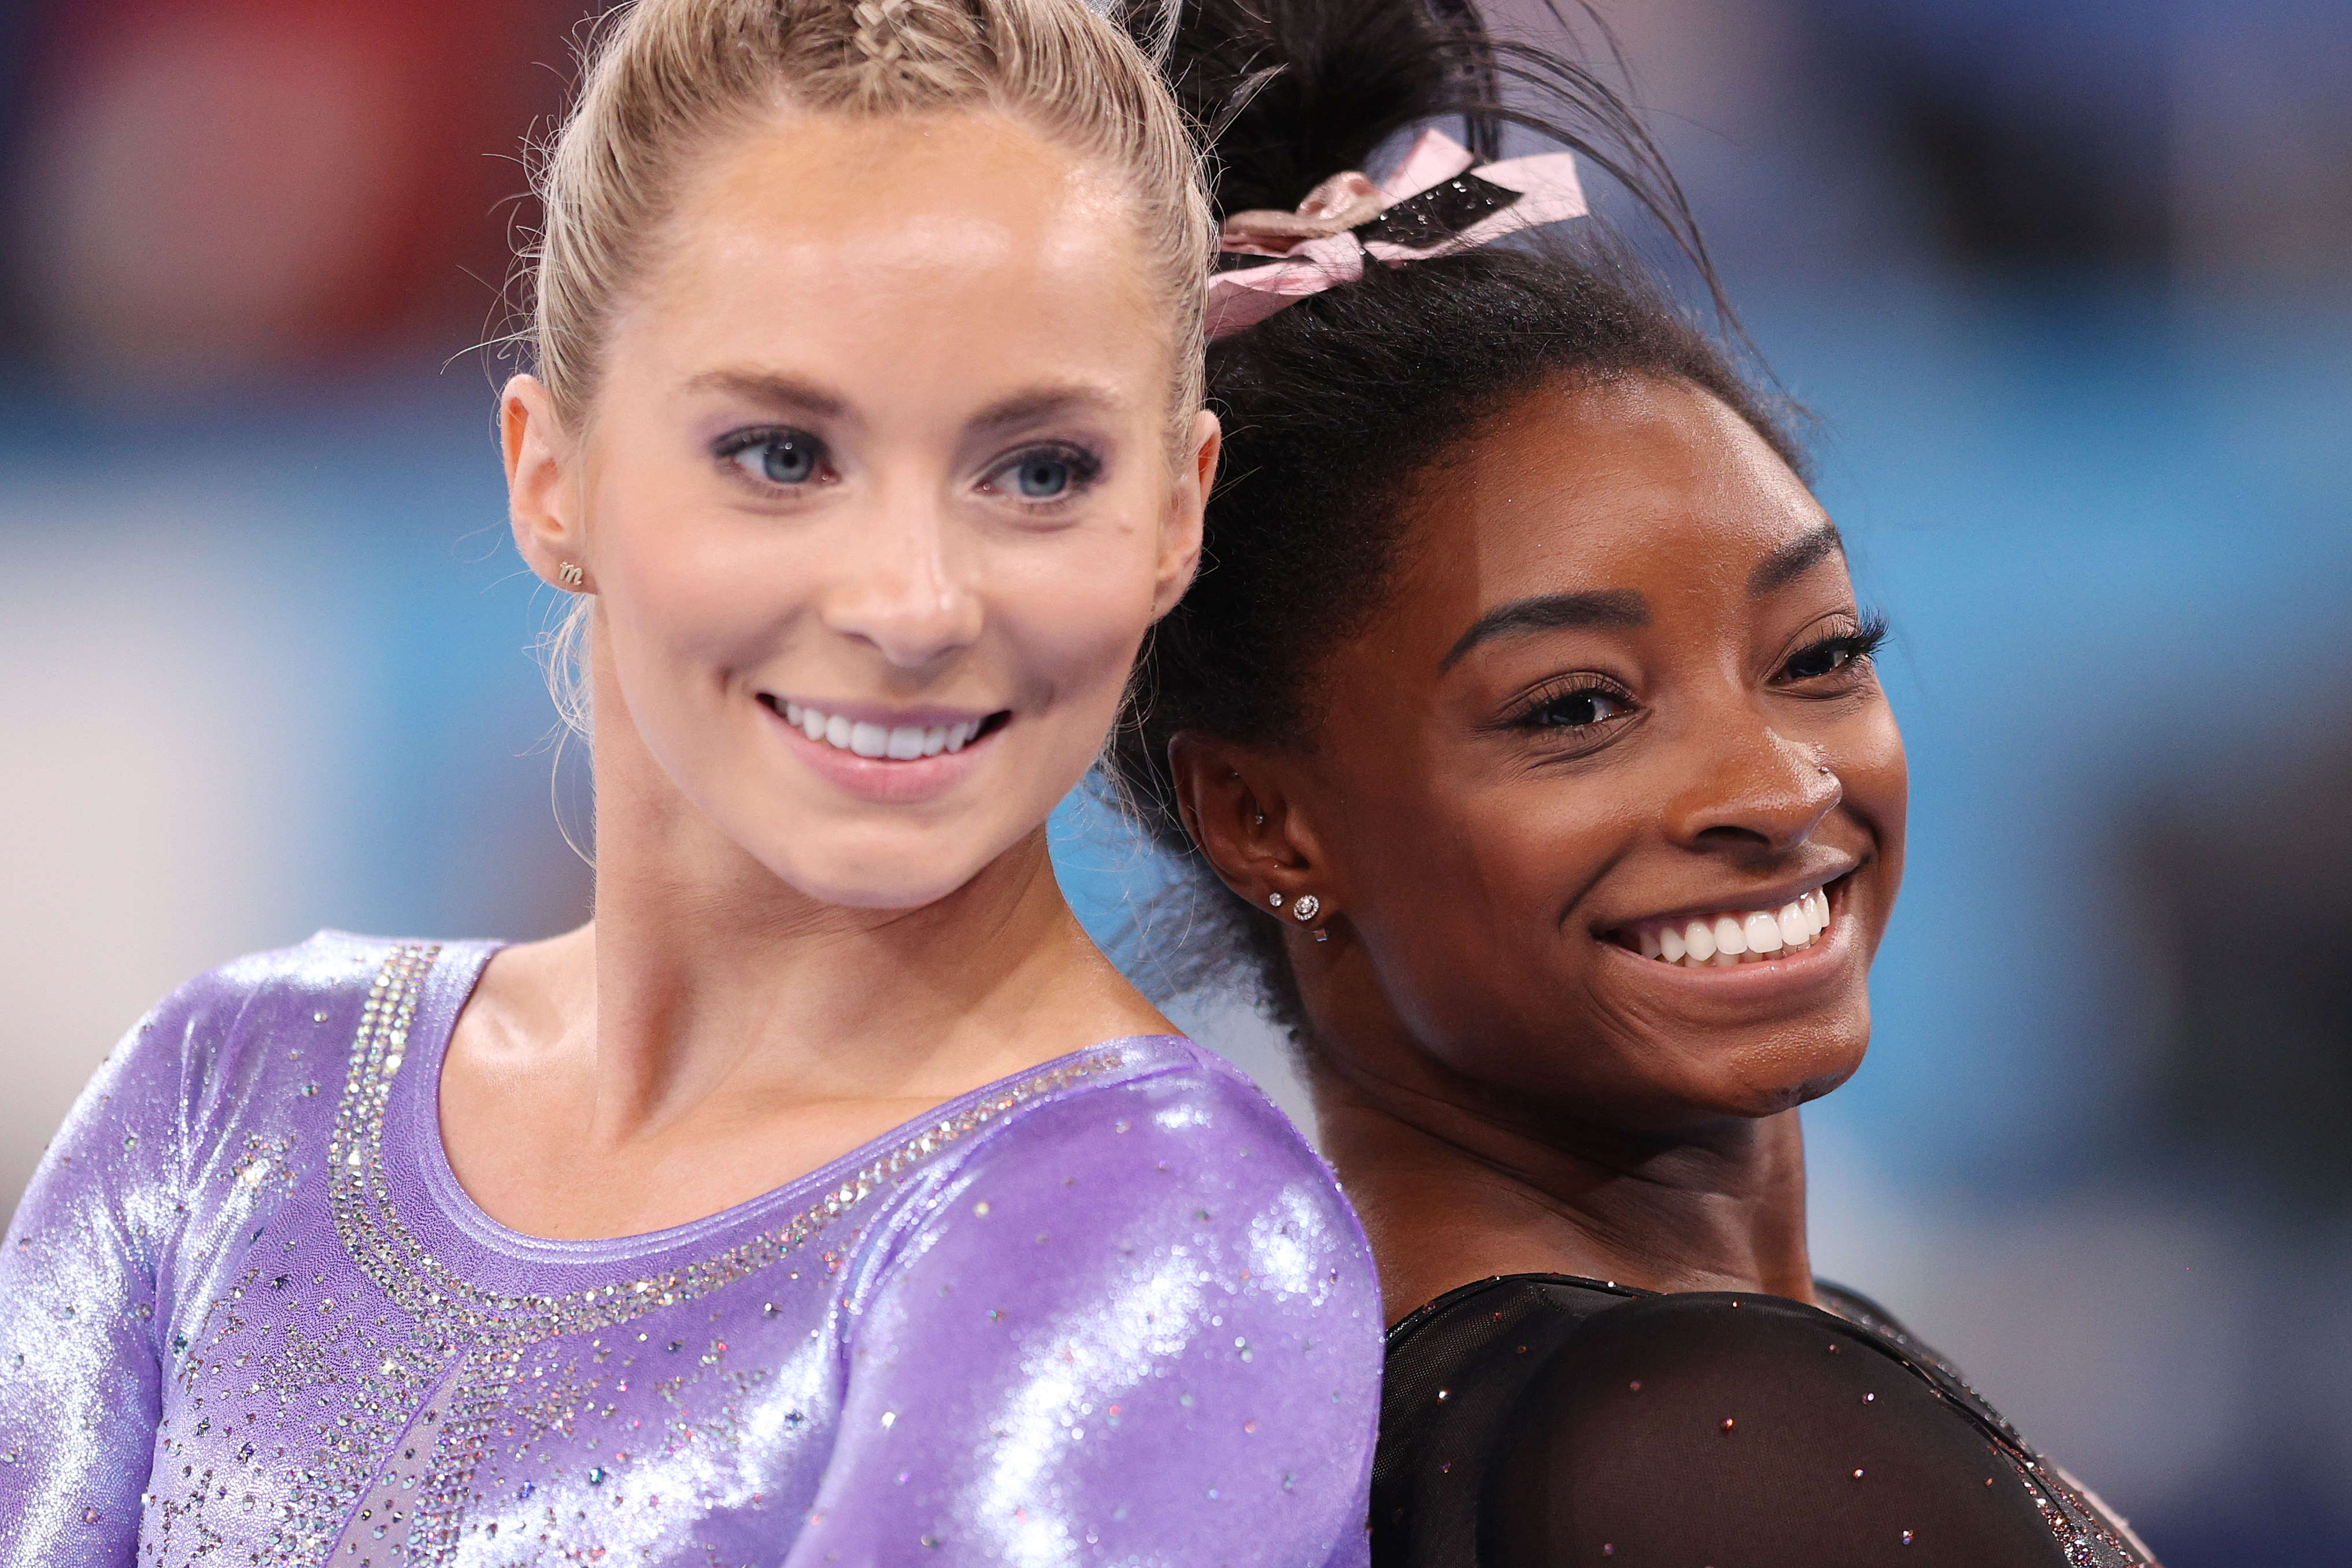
(1026, 407)
(777, 390)
(1794, 559)
(790, 392)
(1611, 609)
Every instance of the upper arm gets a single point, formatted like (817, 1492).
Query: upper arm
(80, 1364)
(1685, 1428)
(1120, 1328)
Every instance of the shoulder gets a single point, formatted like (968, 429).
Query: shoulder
(1149, 1286)
(1763, 1408)
(1173, 1137)
(264, 1035)
(219, 1020)
(1146, 1154)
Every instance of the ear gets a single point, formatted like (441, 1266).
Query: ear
(1238, 807)
(543, 501)
(1188, 500)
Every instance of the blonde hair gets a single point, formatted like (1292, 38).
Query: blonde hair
(667, 78)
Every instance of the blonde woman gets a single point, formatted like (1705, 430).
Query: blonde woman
(829, 1197)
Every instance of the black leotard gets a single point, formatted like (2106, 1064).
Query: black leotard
(1544, 1421)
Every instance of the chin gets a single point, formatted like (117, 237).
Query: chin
(1782, 1076)
(905, 881)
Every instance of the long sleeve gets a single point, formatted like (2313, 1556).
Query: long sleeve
(81, 1366)
(1127, 1330)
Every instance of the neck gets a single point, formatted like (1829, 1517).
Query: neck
(707, 989)
(1451, 1195)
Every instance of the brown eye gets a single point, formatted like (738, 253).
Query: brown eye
(1832, 654)
(1821, 659)
(1579, 709)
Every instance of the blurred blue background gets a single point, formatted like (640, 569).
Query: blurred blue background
(2066, 284)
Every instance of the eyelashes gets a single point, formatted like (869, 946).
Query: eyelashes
(777, 456)
(1036, 479)
(1584, 710)
(1044, 474)
(1578, 703)
(1827, 655)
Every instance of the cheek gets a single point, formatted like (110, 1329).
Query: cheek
(1461, 885)
(1877, 777)
(677, 584)
(1075, 608)
(684, 613)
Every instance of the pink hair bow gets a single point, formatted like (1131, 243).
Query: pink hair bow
(1435, 203)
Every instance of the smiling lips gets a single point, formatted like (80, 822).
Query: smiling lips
(1734, 936)
(898, 743)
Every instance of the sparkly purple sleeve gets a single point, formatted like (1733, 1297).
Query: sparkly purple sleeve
(81, 1366)
(1137, 1325)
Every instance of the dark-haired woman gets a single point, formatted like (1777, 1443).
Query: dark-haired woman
(1529, 717)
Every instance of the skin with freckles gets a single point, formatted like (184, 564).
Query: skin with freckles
(883, 432)
(1617, 675)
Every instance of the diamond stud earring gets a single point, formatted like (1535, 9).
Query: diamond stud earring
(1274, 898)
(1304, 909)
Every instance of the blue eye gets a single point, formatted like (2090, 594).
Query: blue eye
(776, 456)
(1042, 478)
(1047, 474)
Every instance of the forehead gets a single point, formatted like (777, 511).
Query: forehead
(857, 243)
(1642, 484)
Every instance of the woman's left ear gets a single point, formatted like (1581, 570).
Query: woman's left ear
(541, 503)
(1188, 502)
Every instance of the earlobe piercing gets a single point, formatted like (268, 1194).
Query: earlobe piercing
(570, 574)
(1274, 898)
(1304, 909)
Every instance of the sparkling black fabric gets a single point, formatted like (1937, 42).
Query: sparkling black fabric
(1440, 211)
(1544, 1421)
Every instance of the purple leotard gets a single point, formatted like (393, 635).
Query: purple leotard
(1110, 1311)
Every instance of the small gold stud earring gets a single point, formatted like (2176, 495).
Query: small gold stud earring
(570, 574)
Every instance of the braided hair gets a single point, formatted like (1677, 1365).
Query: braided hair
(665, 78)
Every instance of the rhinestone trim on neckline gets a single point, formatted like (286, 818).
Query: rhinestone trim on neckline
(471, 1339)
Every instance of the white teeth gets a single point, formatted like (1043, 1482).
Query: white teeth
(1736, 936)
(1730, 935)
(902, 742)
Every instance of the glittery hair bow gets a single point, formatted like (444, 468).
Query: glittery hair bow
(1435, 203)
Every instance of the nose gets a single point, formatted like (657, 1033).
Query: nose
(1754, 790)
(906, 581)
